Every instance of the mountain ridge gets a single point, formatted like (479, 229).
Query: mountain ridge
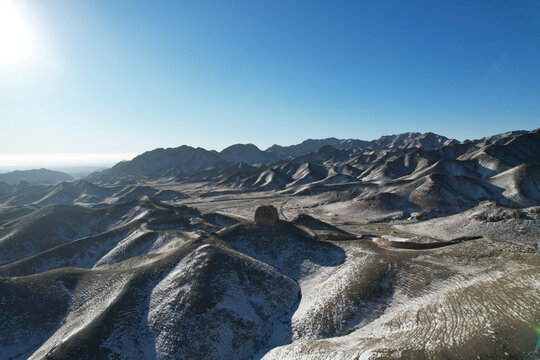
(180, 160)
(413, 246)
(35, 176)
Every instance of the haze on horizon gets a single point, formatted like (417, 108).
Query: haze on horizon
(95, 82)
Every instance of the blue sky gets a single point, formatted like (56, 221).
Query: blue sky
(123, 77)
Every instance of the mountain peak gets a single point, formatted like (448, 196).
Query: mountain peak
(35, 176)
(247, 153)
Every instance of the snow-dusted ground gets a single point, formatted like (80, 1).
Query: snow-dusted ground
(495, 222)
(434, 306)
(145, 279)
(395, 238)
(160, 258)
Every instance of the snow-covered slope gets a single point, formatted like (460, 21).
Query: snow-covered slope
(413, 246)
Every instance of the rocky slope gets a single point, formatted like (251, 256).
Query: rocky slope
(435, 174)
(411, 246)
(144, 279)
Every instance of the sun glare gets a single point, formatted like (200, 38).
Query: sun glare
(16, 38)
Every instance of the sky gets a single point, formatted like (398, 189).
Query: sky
(95, 82)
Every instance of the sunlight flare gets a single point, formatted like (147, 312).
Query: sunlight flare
(17, 40)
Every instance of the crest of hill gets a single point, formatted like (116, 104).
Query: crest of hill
(369, 158)
(68, 192)
(521, 184)
(35, 176)
(246, 153)
(503, 152)
(305, 147)
(170, 162)
(411, 140)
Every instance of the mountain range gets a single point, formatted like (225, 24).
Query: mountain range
(409, 246)
(430, 173)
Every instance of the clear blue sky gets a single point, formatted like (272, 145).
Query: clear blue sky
(129, 76)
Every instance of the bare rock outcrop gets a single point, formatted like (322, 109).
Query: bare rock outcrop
(266, 215)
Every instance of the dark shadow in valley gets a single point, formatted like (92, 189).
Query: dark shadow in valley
(285, 246)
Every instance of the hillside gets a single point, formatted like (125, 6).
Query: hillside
(35, 176)
(410, 246)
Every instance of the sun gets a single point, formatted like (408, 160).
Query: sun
(17, 42)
